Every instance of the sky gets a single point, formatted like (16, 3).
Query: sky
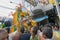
(6, 3)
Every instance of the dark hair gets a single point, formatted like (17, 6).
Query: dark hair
(22, 29)
(48, 32)
(40, 27)
(48, 25)
(8, 29)
(7, 23)
(35, 30)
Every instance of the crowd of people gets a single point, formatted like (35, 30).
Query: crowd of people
(46, 32)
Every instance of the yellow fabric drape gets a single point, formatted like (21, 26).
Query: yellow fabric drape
(52, 2)
(15, 21)
(15, 18)
(12, 29)
(33, 23)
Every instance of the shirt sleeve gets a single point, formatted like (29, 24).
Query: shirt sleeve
(10, 37)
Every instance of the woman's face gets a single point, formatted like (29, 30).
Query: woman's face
(43, 36)
(42, 28)
(32, 31)
(55, 28)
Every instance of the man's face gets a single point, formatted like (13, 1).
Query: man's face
(3, 36)
(16, 36)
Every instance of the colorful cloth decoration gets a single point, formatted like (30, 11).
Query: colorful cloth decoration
(57, 35)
